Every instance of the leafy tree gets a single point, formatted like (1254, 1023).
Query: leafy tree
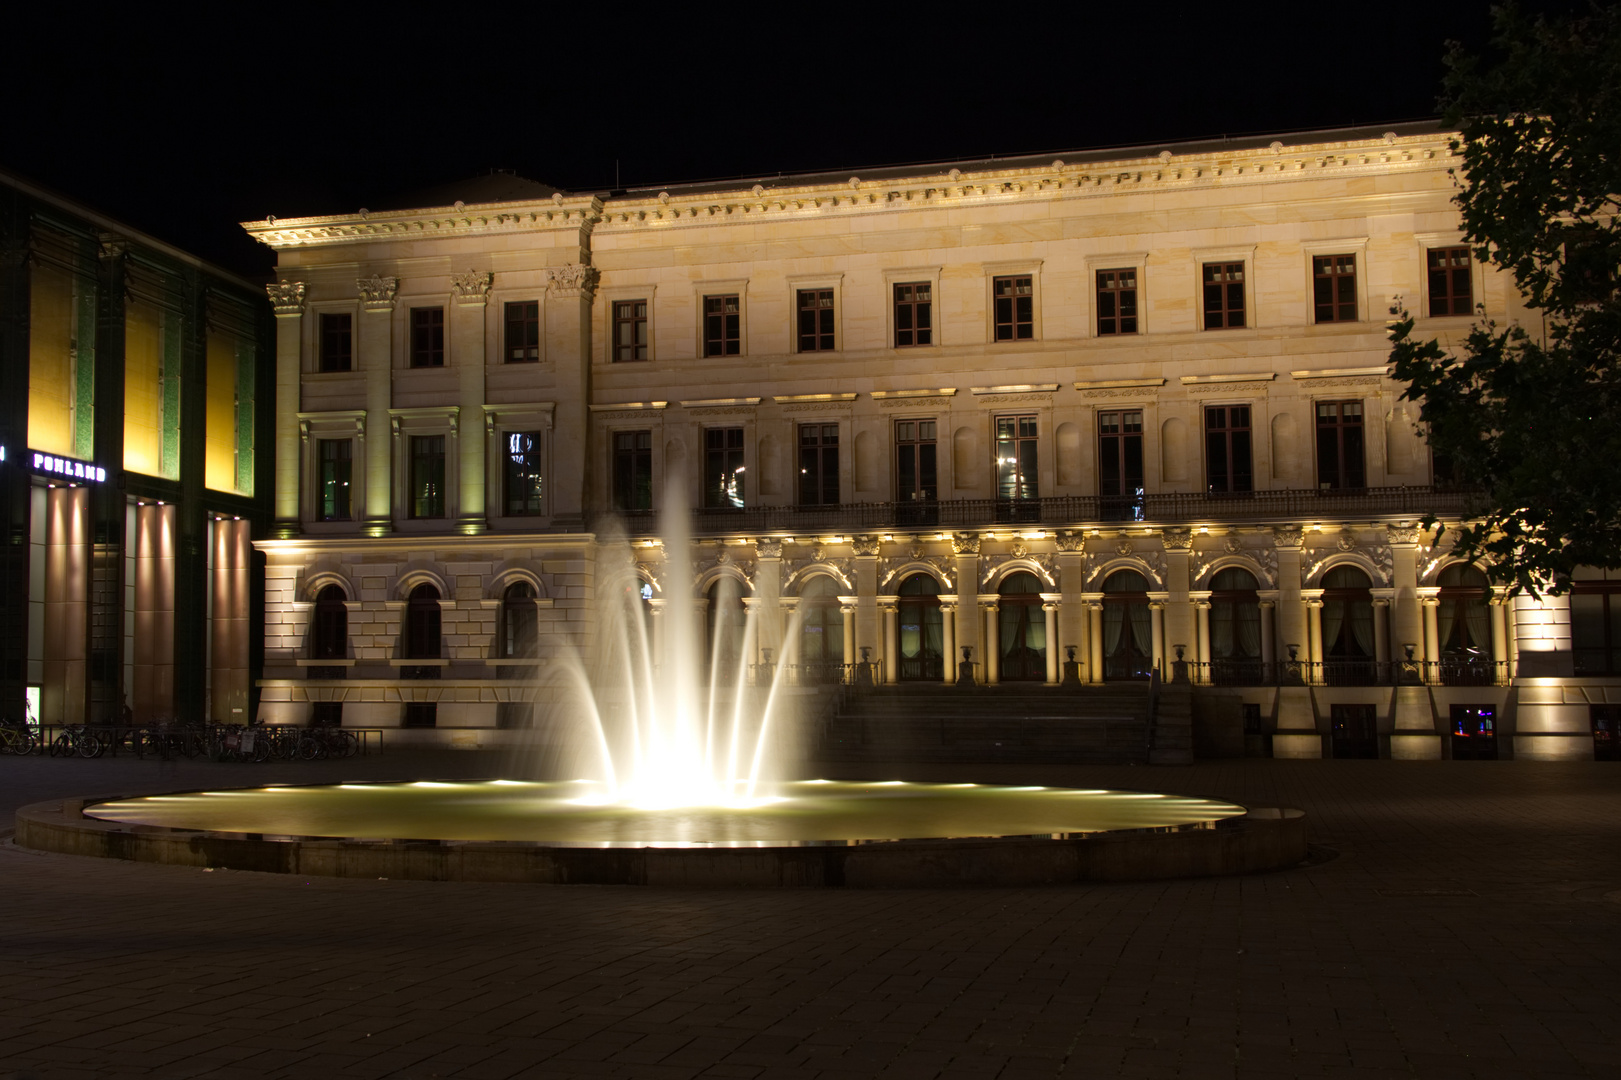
(1531, 413)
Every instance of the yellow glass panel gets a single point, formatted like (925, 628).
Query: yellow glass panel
(50, 360)
(143, 389)
(219, 468)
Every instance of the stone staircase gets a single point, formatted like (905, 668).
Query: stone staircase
(924, 722)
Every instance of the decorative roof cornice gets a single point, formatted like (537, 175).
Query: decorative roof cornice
(560, 211)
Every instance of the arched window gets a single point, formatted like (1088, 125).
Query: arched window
(518, 621)
(1128, 649)
(1347, 622)
(1465, 626)
(724, 625)
(331, 630)
(1021, 628)
(422, 621)
(1235, 628)
(921, 643)
(821, 630)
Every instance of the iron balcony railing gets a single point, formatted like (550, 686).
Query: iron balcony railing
(1169, 508)
(1459, 672)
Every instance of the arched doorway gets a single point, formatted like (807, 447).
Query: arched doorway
(821, 631)
(921, 630)
(1128, 648)
(1347, 622)
(724, 626)
(1463, 624)
(1021, 629)
(1235, 628)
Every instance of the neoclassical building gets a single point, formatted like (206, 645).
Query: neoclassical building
(1126, 405)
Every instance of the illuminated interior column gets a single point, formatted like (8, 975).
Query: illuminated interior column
(1269, 637)
(1156, 630)
(153, 692)
(1499, 613)
(1406, 622)
(1314, 624)
(228, 606)
(1290, 616)
(1432, 631)
(970, 626)
(1094, 637)
(988, 605)
(948, 637)
(1201, 611)
(887, 607)
(1049, 608)
(847, 608)
(66, 590)
(1071, 584)
(1381, 630)
(468, 352)
(1180, 615)
(287, 298)
(375, 349)
(868, 626)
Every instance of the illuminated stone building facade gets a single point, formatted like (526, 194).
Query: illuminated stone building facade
(132, 394)
(1128, 403)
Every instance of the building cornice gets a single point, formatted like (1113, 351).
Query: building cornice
(485, 219)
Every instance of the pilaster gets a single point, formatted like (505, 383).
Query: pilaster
(287, 298)
(965, 546)
(468, 353)
(570, 291)
(375, 354)
(866, 575)
(1406, 618)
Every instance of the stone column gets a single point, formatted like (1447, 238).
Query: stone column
(375, 353)
(847, 608)
(287, 299)
(657, 644)
(1094, 636)
(1313, 599)
(1201, 611)
(1499, 608)
(965, 546)
(1156, 631)
(768, 588)
(990, 608)
(1180, 616)
(888, 607)
(1406, 624)
(570, 290)
(1049, 608)
(1269, 637)
(791, 638)
(1072, 619)
(1291, 611)
(948, 638)
(1432, 633)
(469, 354)
(1381, 630)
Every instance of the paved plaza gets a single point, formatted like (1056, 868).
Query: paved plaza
(1467, 925)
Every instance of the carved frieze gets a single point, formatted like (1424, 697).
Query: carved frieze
(630, 414)
(819, 406)
(913, 402)
(1227, 388)
(377, 292)
(1123, 392)
(1012, 399)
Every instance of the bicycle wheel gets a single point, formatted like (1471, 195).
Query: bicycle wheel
(348, 744)
(90, 746)
(62, 745)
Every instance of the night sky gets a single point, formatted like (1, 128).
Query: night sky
(184, 127)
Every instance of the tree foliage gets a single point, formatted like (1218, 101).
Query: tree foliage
(1530, 413)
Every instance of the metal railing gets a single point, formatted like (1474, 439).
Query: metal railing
(1469, 672)
(1065, 510)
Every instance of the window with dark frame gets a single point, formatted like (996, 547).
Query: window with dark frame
(523, 332)
(428, 337)
(723, 325)
(1223, 295)
(337, 342)
(331, 636)
(423, 623)
(427, 476)
(1016, 461)
(1120, 463)
(524, 480)
(916, 476)
(519, 621)
(1117, 302)
(633, 470)
(723, 468)
(1228, 469)
(1015, 306)
(1451, 287)
(914, 314)
(1340, 443)
(335, 462)
(818, 464)
(1333, 283)
(630, 331)
(815, 320)
(1595, 624)
(420, 714)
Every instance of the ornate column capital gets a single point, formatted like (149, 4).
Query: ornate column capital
(573, 279)
(287, 298)
(1288, 536)
(472, 288)
(1177, 539)
(768, 549)
(864, 545)
(1402, 535)
(965, 543)
(111, 246)
(377, 292)
(1070, 540)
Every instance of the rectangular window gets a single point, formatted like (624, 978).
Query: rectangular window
(1117, 302)
(524, 484)
(428, 337)
(1333, 283)
(723, 468)
(337, 342)
(914, 314)
(815, 320)
(1120, 464)
(334, 462)
(916, 479)
(1223, 295)
(633, 470)
(1451, 289)
(723, 325)
(1016, 457)
(427, 492)
(1227, 449)
(1339, 445)
(630, 331)
(420, 714)
(523, 332)
(818, 464)
(1015, 308)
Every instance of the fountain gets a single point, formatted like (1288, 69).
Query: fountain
(682, 780)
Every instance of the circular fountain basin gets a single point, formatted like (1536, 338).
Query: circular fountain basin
(799, 833)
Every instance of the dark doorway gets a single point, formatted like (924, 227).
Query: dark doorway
(1354, 731)
(1021, 630)
(1606, 721)
(1347, 623)
(1128, 651)
(921, 630)
(1474, 733)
